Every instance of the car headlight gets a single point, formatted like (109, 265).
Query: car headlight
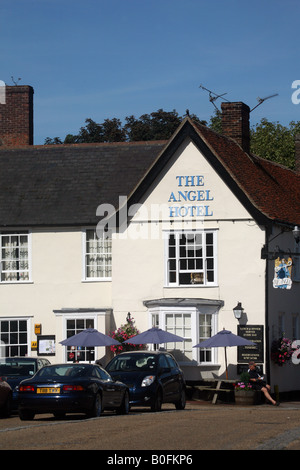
(148, 380)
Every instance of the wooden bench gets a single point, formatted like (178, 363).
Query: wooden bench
(215, 386)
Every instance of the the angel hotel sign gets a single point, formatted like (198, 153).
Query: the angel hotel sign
(186, 198)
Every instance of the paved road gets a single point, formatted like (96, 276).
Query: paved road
(200, 426)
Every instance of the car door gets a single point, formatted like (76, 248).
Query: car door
(177, 379)
(165, 377)
(112, 392)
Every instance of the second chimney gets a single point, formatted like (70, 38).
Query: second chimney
(16, 116)
(235, 123)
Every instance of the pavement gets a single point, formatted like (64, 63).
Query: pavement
(287, 440)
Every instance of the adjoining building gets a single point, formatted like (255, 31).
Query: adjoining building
(175, 232)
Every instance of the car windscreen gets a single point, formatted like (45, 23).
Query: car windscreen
(17, 368)
(64, 370)
(132, 363)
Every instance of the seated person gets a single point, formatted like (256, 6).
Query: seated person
(258, 383)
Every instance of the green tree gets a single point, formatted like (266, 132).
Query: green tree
(273, 141)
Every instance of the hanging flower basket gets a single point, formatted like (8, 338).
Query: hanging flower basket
(126, 331)
(281, 351)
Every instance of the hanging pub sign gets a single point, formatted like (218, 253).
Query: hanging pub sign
(283, 273)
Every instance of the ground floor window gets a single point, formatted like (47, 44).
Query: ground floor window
(180, 324)
(73, 327)
(194, 325)
(205, 332)
(14, 337)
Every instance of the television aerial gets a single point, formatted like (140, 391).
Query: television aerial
(261, 100)
(15, 81)
(213, 96)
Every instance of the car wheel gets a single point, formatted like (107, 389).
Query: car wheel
(26, 415)
(180, 404)
(124, 408)
(157, 402)
(97, 407)
(6, 409)
(59, 415)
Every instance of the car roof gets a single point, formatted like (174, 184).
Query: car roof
(19, 358)
(151, 353)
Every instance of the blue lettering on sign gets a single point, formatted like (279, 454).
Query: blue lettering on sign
(194, 195)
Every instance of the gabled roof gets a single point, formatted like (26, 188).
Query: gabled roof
(270, 192)
(63, 185)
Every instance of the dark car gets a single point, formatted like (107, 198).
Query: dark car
(15, 369)
(153, 378)
(71, 388)
(5, 399)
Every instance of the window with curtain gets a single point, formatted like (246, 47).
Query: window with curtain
(98, 256)
(15, 257)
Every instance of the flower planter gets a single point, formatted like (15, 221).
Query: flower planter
(245, 397)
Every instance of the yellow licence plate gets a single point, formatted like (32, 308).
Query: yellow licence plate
(48, 390)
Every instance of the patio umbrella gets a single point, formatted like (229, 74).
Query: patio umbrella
(89, 338)
(224, 339)
(154, 336)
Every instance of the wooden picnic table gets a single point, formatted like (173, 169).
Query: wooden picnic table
(216, 385)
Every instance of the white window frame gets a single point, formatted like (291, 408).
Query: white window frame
(85, 277)
(201, 272)
(18, 233)
(157, 317)
(11, 319)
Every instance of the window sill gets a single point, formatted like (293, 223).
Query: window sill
(191, 286)
(7, 283)
(103, 279)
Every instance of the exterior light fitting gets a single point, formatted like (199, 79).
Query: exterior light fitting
(296, 233)
(238, 311)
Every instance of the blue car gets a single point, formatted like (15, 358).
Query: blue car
(15, 369)
(153, 378)
(71, 388)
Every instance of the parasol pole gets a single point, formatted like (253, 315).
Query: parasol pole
(226, 363)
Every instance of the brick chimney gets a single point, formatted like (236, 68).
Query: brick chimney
(297, 153)
(235, 123)
(16, 116)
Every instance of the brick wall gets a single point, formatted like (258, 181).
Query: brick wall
(16, 117)
(235, 123)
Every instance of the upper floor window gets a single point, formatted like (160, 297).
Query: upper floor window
(15, 257)
(191, 259)
(98, 259)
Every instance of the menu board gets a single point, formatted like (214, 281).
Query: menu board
(254, 333)
(46, 345)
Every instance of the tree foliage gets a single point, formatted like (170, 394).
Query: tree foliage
(273, 141)
(270, 140)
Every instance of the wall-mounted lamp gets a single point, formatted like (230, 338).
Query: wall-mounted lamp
(238, 311)
(296, 233)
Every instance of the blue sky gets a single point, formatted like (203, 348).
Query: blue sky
(102, 59)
